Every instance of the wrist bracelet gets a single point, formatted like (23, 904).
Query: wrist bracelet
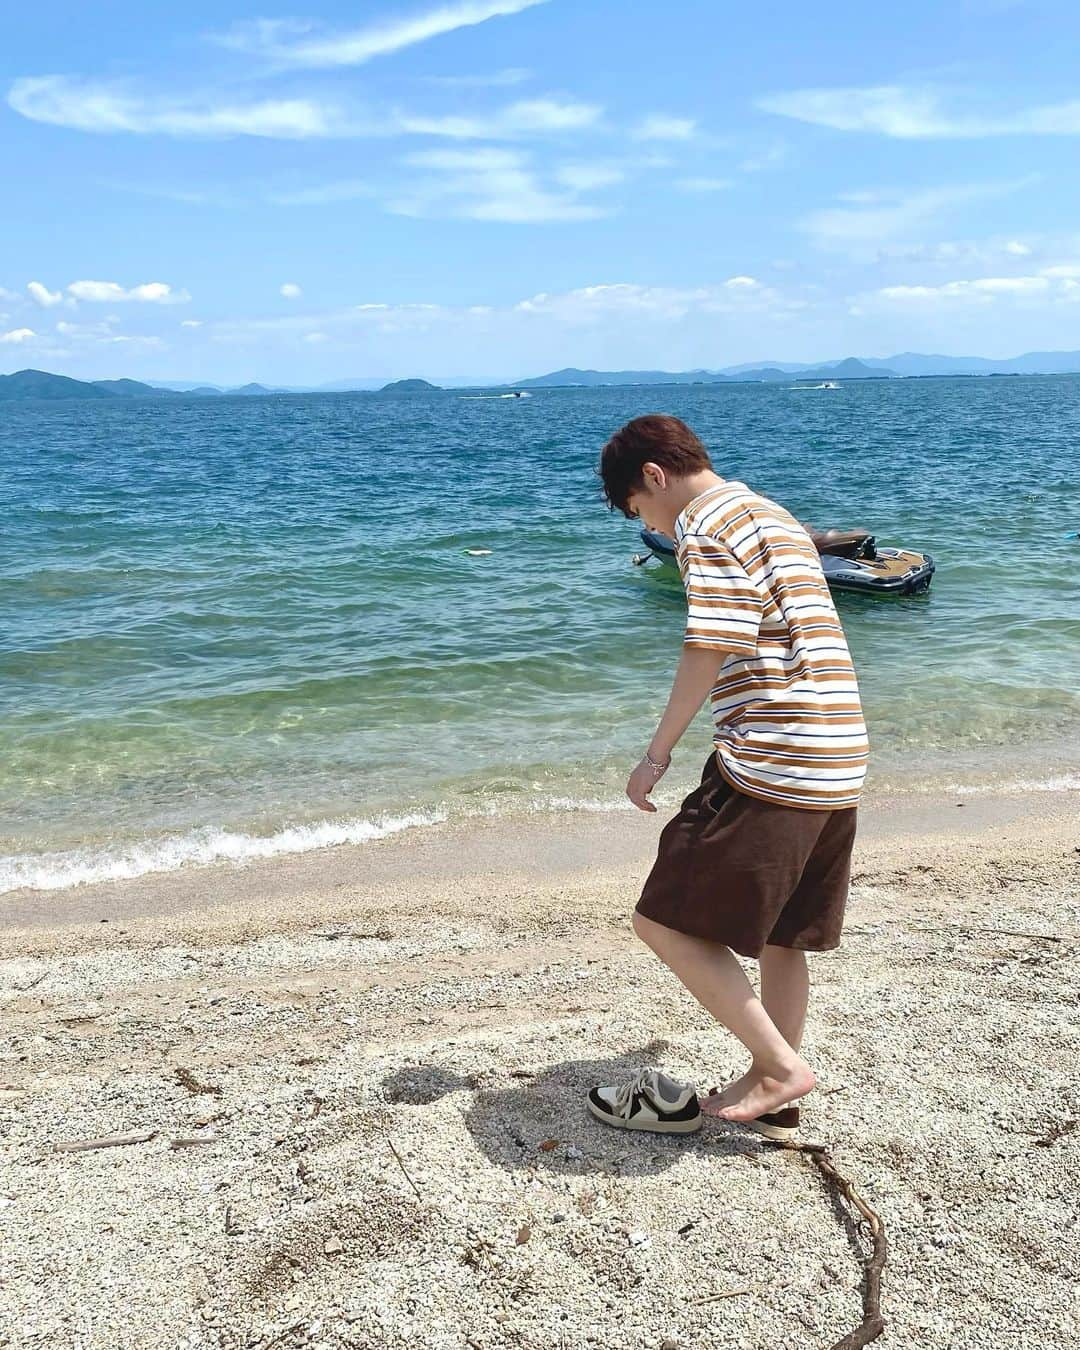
(656, 768)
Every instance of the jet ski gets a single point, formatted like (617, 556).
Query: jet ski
(850, 559)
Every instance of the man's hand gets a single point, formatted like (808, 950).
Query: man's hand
(642, 781)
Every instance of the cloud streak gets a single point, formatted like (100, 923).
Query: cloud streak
(867, 221)
(86, 105)
(905, 112)
(290, 43)
(495, 184)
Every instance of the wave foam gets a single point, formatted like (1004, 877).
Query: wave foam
(79, 867)
(1067, 782)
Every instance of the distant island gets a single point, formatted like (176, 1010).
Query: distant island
(41, 384)
(849, 369)
(410, 387)
(35, 384)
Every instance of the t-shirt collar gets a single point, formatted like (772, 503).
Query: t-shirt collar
(680, 519)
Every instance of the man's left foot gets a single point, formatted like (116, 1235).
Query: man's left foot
(757, 1094)
(780, 1125)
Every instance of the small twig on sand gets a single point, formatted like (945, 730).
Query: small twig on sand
(1056, 1132)
(404, 1169)
(187, 1140)
(724, 1293)
(873, 1324)
(107, 1141)
(22, 988)
(1016, 932)
(187, 1079)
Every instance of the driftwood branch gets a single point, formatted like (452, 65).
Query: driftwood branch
(408, 1178)
(873, 1324)
(106, 1141)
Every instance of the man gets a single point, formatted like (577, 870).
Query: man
(757, 860)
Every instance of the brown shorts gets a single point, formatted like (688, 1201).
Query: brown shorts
(746, 872)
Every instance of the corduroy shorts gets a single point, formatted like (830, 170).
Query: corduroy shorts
(745, 872)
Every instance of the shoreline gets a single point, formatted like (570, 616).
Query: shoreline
(545, 848)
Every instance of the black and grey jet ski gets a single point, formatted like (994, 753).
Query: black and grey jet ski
(850, 560)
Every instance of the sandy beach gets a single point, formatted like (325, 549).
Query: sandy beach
(360, 1074)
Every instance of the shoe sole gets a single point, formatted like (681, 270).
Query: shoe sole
(657, 1127)
(781, 1134)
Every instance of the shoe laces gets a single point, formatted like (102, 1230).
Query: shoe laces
(627, 1091)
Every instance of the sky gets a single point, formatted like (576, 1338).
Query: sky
(491, 189)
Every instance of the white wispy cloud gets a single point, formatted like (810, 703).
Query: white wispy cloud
(953, 252)
(865, 221)
(496, 79)
(191, 323)
(1049, 287)
(907, 112)
(596, 304)
(42, 296)
(294, 43)
(291, 291)
(89, 105)
(528, 117)
(979, 287)
(86, 105)
(606, 304)
(489, 183)
(661, 127)
(17, 335)
(108, 292)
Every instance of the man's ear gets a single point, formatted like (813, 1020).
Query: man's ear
(654, 474)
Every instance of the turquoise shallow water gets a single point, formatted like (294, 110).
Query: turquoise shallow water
(241, 626)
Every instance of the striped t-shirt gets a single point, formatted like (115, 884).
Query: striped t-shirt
(788, 720)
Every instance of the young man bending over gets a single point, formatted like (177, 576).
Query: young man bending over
(757, 860)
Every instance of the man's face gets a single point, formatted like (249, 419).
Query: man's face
(650, 505)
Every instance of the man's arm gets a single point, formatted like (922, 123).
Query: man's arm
(695, 676)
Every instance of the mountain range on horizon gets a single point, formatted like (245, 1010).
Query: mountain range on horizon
(37, 384)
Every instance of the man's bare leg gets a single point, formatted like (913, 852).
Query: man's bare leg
(785, 992)
(710, 971)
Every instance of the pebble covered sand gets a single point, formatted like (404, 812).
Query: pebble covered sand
(382, 1088)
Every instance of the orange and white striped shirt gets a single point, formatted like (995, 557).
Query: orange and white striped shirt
(788, 719)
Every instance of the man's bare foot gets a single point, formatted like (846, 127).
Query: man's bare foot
(759, 1092)
(715, 1101)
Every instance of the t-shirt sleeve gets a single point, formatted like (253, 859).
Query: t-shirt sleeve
(724, 607)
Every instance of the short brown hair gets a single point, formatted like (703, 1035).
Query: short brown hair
(655, 438)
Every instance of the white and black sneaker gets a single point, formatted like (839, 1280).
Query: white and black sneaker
(648, 1101)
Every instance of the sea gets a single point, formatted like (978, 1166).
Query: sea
(233, 628)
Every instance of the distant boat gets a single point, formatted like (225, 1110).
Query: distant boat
(825, 384)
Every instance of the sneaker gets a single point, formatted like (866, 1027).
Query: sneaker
(780, 1125)
(648, 1101)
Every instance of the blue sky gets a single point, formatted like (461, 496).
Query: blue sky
(494, 188)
